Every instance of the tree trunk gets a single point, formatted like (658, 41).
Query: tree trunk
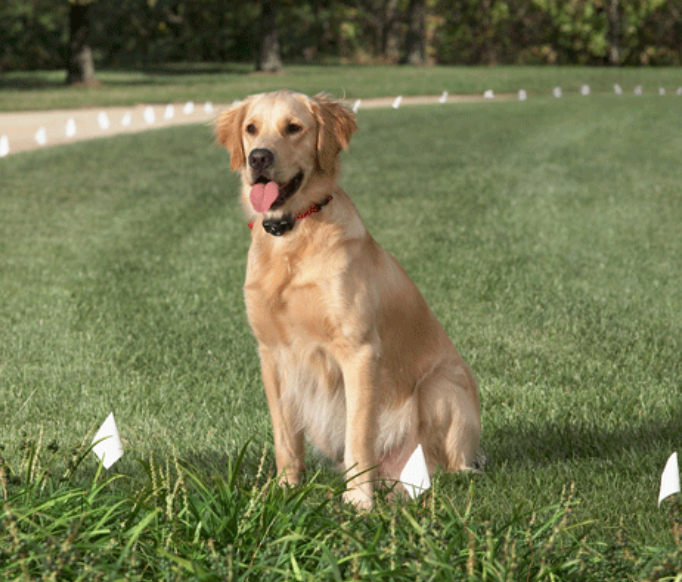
(415, 39)
(615, 57)
(390, 43)
(269, 59)
(80, 68)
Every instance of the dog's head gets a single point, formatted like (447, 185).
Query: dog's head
(286, 146)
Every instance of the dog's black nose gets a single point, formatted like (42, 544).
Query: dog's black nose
(261, 159)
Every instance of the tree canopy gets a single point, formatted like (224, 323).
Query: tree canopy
(35, 33)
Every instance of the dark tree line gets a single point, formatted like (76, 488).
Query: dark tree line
(74, 34)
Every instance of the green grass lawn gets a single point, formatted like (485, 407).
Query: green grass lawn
(224, 83)
(545, 236)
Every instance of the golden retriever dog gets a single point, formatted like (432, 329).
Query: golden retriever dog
(351, 355)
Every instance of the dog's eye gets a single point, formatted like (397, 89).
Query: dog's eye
(251, 129)
(293, 128)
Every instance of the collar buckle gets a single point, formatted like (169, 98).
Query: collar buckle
(279, 226)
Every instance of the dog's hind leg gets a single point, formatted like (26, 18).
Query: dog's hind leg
(449, 418)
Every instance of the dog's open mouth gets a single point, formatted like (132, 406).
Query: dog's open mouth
(268, 195)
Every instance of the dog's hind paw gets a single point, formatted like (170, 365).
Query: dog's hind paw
(361, 499)
(480, 463)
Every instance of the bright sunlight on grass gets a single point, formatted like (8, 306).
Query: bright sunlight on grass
(546, 239)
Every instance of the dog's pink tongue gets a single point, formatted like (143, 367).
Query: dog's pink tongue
(263, 195)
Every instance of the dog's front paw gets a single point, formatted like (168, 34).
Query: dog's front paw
(360, 497)
(289, 479)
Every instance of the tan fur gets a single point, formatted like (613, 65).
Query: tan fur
(351, 354)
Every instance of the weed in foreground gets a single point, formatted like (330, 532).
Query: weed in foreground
(176, 522)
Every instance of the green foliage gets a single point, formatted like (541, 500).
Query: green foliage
(130, 32)
(34, 34)
(492, 32)
(558, 31)
(581, 27)
(649, 30)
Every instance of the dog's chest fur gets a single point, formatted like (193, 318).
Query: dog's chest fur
(299, 313)
(287, 298)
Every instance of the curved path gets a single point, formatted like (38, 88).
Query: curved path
(29, 130)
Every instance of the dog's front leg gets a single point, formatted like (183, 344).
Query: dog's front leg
(289, 441)
(359, 375)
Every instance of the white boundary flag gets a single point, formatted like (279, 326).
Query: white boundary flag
(415, 475)
(103, 121)
(70, 129)
(670, 479)
(148, 115)
(108, 446)
(41, 136)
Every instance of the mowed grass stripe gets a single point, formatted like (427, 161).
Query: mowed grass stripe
(544, 237)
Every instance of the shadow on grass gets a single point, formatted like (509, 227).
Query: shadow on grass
(29, 82)
(259, 459)
(186, 69)
(540, 443)
(141, 75)
(521, 445)
(219, 462)
(183, 74)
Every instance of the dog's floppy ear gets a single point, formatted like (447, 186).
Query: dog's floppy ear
(335, 126)
(228, 129)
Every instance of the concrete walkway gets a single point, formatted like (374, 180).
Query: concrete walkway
(29, 130)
